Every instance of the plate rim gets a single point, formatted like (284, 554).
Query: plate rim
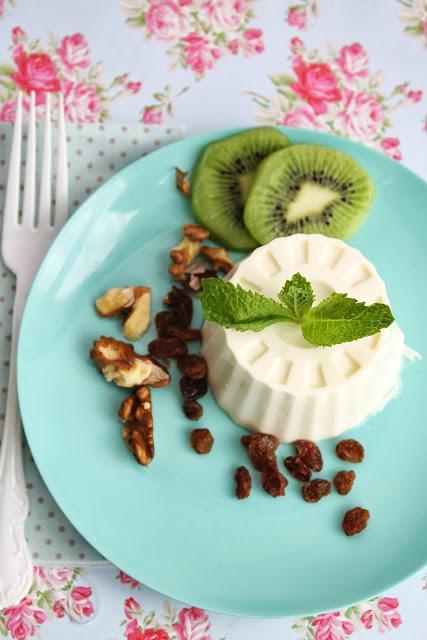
(67, 229)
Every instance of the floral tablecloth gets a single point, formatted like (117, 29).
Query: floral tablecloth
(357, 68)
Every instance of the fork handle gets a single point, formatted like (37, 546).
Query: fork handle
(16, 570)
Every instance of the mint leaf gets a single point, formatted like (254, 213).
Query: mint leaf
(234, 308)
(335, 320)
(297, 296)
(340, 319)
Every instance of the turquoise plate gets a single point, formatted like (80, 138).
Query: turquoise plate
(177, 526)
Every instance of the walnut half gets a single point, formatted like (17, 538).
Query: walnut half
(120, 364)
(138, 431)
(115, 301)
(132, 302)
(218, 257)
(138, 319)
(185, 252)
(182, 255)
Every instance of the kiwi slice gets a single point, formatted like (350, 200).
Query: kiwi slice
(308, 189)
(223, 179)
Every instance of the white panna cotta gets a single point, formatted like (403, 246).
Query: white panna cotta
(273, 381)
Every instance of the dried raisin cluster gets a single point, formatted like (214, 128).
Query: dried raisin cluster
(261, 448)
(174, 331)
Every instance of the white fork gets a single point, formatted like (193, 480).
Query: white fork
(24, 243)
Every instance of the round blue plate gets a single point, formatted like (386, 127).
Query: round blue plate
(176, 526)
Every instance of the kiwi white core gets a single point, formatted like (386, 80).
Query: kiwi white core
(245, 183)
(311, 198)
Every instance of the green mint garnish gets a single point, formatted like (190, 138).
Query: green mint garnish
(336, 319)
(297, 296)
(235, 308)
(340, 319)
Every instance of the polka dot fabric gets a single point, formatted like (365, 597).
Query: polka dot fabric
(95, 153)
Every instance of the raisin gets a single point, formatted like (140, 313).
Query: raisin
(245, 440)
(201, 440)
(297, 468)
(309, 453)
(163, 321)
(183, 333)
(193, 366)
(343, 481)
(355, 521)
(243, 483)
(350, 451)
(261, 450)
(192, 409)
(181, 303)
(193, 389)
(167, 348)
(314, 490)
(273, 482)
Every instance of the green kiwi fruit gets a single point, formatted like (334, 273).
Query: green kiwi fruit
(222, 181)
(308, 189)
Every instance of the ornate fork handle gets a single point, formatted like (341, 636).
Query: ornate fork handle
(16, 567)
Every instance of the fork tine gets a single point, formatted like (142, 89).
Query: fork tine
(28, 208)
(61, 195)
(11, 206)
(46, 174)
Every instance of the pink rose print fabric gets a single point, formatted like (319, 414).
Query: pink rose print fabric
(163, 106)
(298, 15)
(4, 4)
(414, 16)
(336, 92)
(353, 61)
(193, 624)
(53, 594)
(23, 619)
(198, 33)
(189, 623)
(64, 65)
(58, 592)
(74, 53)
(378, 615)
(331, 626)
(316, 84)
(384, 615)
(123, 578)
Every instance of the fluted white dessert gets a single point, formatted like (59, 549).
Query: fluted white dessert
(273, 381)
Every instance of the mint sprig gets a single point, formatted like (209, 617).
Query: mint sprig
(235, 308)
(297, 296)
(340, 319)
(334, 320)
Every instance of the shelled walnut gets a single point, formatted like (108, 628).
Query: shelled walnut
(182, 182)
(182, 255)
(134, 303)
(138, 431)
(119, 363)
(185, 252)
(218, 257)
